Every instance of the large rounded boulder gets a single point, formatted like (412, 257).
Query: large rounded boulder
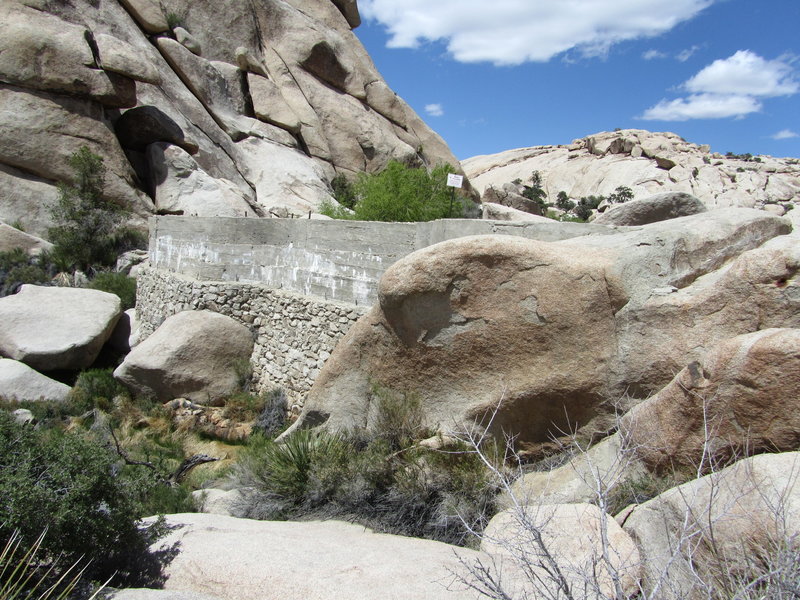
(51, 328)
(194, 354)
(660, 207)
(475, 326)
(20, 383)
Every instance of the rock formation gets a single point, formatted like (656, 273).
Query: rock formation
(237, 108)
(545, 332)
(648, 163)
(711, 530)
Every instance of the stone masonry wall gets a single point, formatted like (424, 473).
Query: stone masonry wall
(294, 334)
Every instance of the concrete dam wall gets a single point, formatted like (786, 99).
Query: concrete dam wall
(299, 284)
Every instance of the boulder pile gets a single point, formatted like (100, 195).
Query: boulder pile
(648, 163)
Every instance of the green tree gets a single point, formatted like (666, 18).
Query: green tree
(87, 230)
(620, 195)
(402, 193)
(535, 191)
(563, 202)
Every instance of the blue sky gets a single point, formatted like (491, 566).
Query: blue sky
(492, 76)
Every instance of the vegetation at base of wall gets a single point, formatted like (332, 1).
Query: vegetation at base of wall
(116, 283)
(381, 478)
(398, 193)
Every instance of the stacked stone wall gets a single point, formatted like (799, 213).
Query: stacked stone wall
(294, 334)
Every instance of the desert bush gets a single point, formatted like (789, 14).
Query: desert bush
(706, 567)
(69, 485)
(23, 577)
(85, 234)
(116, 283)
(94, 388)
(380, 477)
(400, 193)
(272, 419)
(17, 268)
(398, 418)
(243, 407)
(343, 191)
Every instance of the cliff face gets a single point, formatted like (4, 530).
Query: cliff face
(202, 107)
(646, 162)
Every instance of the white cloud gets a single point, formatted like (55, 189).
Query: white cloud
(730, 87)
(702, 106)
(510, 32)
(686, 54)
(434, 110)
(653, 54)
(745, 73)
(784, 134)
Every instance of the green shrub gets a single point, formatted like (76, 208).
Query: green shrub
(69, 485)
(620, 195)
(343, 191)
(116, 283)
(95, 388)
(17, 268)
(563, 202)
(86, 224)
(401, 193)
(398, 417)
(243, 407)
(379, 477)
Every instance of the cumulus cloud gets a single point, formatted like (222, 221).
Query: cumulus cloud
(729, 87)
(511, 32)
(702, 106)
(746, 73)
(434, 110)
(784, 134)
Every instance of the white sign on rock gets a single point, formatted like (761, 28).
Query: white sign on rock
(454, 180)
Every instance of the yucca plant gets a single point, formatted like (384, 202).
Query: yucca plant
(22, 577)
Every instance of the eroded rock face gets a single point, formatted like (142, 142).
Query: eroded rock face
(648, 163)
(546, 333)
(272, 91)
(193, 354)
(50, 328)
(11, 238)
(740, 398)
(573, 536)
(710, 529)
(475, 322)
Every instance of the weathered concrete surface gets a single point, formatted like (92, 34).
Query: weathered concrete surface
(335, 260)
